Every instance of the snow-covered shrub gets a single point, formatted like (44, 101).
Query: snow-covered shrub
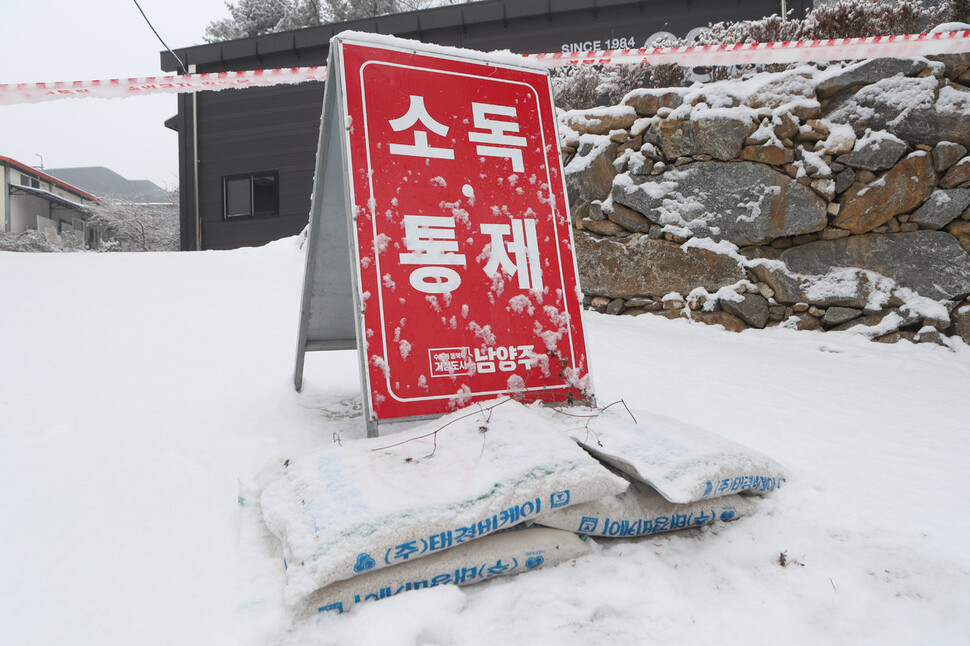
(575, 87)
(596, 85)
(861, 18)
(38, 241)
(959, 10)
(587, 85)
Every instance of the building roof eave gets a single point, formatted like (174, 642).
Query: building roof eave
(51, 197)
(13, 163)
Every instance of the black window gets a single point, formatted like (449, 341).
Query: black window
(250, 195)
(27, 180)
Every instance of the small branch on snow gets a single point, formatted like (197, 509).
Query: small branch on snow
(434, 433)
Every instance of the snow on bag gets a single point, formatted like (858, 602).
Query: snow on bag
(374, 503)
(683, 462)
(641, 511)
(511, 552)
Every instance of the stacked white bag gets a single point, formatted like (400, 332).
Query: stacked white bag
(509, 552)
(681, 476)
(449, 502)
(345, 511)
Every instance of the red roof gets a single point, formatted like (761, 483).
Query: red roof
(50, 178)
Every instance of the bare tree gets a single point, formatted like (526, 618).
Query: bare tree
(341, 10)
(249, 18)
(256, 17)
(131, 226)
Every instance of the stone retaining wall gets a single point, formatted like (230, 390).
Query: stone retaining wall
(814, 198)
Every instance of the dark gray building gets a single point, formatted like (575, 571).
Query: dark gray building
(246, 157)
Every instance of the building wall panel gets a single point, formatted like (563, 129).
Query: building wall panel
(257, 130)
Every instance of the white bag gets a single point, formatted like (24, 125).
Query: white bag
(641, 511)
(511, 552)
(374, 503)
(683, 462)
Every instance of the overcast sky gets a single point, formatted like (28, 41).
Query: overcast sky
(67, 40)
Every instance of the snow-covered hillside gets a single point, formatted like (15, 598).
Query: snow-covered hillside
(139, 392)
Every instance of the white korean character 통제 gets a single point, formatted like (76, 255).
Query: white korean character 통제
(430, 242)
(524, 246)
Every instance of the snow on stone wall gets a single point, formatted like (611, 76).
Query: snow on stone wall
(822, 198)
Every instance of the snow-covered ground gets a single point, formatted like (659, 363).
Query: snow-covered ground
(139, 392)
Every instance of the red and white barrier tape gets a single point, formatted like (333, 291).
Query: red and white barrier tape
(694, 56)
(838, 49)
(121, 88)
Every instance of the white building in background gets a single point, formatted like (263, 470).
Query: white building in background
(34, 200)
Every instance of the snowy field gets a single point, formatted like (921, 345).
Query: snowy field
(140, 392)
